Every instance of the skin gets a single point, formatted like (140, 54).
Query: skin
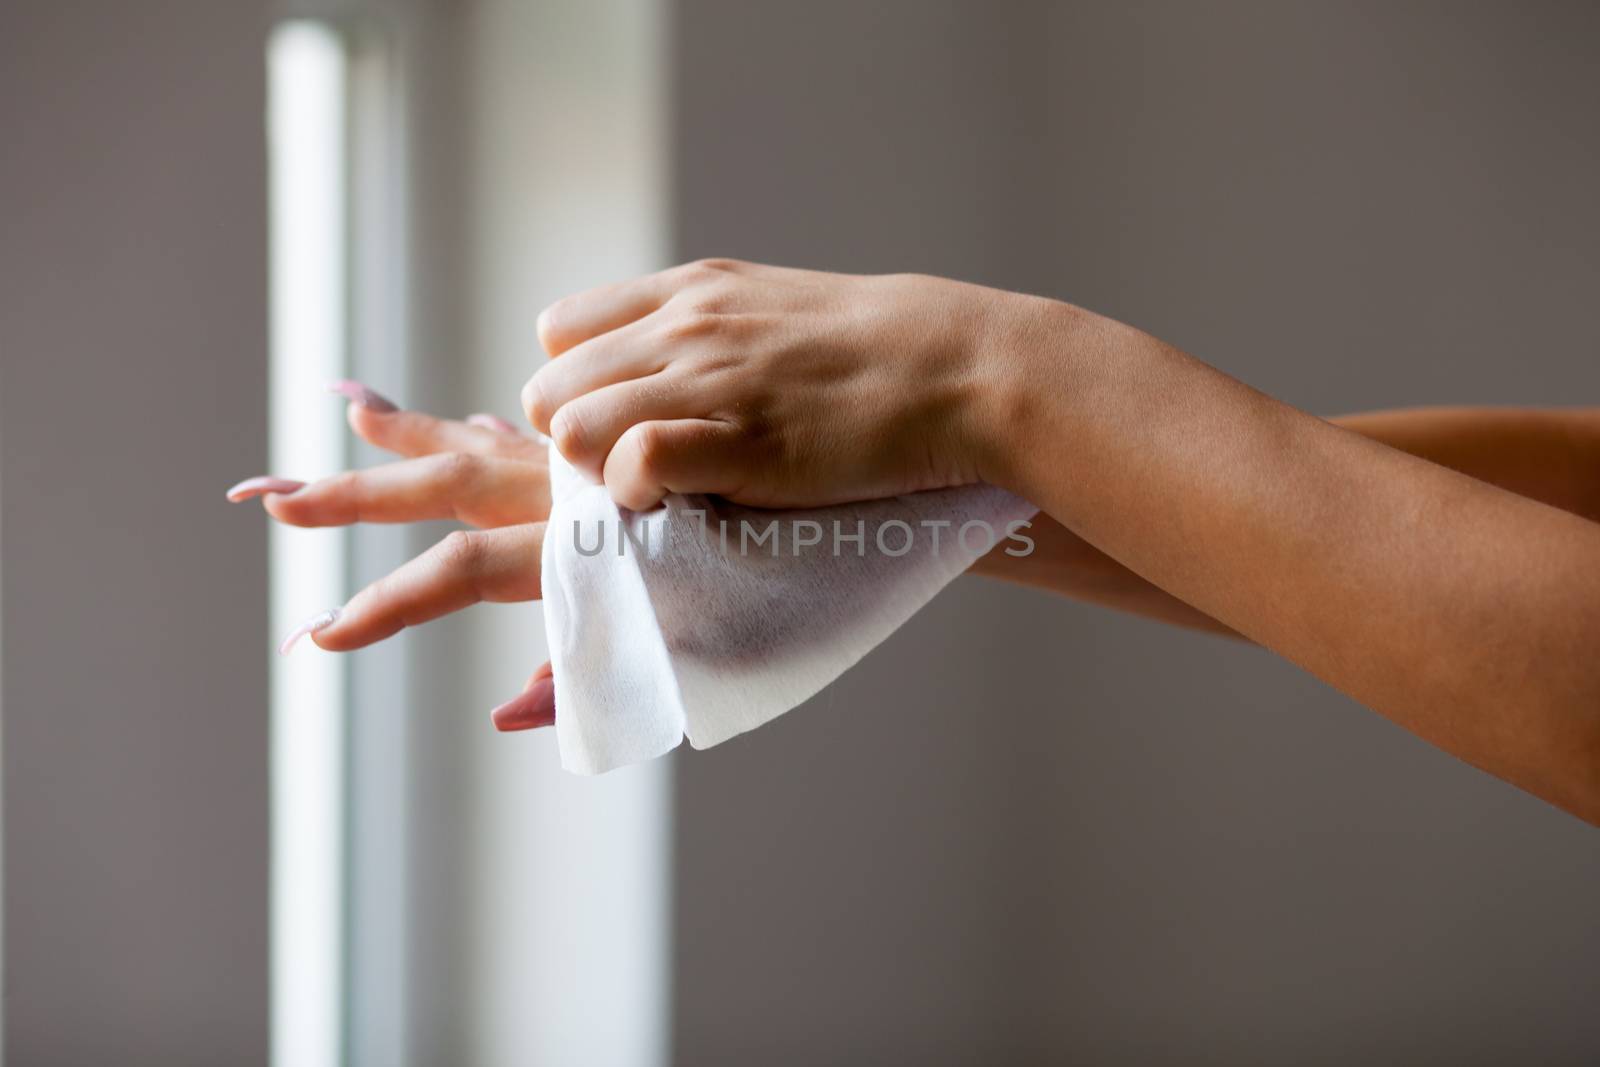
(1440, 566)
(488, 475)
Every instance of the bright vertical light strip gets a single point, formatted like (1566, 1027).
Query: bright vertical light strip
(306, 73)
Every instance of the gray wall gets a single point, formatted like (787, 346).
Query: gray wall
(1023, 829)
(1028, 829)
(132, 392)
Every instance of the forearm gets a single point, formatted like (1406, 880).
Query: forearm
(1064, 563)
(1463, 612)
(1547, 454)
(1550, 455)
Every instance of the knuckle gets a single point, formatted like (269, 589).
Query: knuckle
(704, 270)
(567, 431)
(692, 324)
(719, 361)
(649, 447)
(346, 485)
(461, 551)
(536, 402)
(693, 271)
(630, 489)
(458, 469)
(551, 319)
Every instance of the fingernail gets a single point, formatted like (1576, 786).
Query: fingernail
(492, 422)
(527, 711)
(357, 393)
(266, 483)
(320, 621)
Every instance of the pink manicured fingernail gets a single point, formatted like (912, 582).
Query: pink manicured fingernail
(528, 710)
(357, 393)
(492, 422)
(320, 621)
(254, 487)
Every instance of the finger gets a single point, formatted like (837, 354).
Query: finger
(467, 567)
(574, 319)
(362, 395)
(480, 490)
(535, 706)
(625, 354)
(415, 433)
(585, 429)
(492, 422)
(652, 459)
(263, 485)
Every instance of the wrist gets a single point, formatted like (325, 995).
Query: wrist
(1032, 361)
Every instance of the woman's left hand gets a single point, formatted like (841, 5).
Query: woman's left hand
(482, 472)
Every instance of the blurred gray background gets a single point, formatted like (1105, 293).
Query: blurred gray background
(1030, 830)
(1021, 831)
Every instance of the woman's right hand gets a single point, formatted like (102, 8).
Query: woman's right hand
(481, 471)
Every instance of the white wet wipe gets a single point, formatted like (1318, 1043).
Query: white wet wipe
(704, 619)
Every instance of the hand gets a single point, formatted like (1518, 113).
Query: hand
(773, 387)
(482, 472)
